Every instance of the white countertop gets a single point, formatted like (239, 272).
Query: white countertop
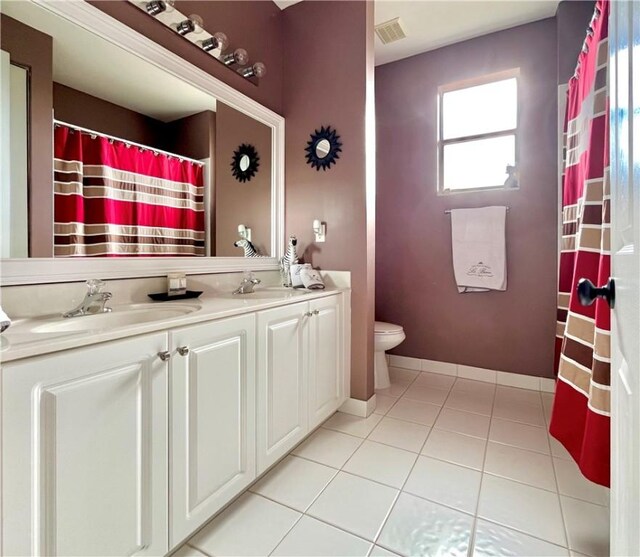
(20, 341)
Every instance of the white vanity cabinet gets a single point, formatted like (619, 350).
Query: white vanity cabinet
(84, 436)
(127, 447)
(326, 359)
(300, 373)
(212, 422)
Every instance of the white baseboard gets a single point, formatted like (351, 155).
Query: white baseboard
(361, 408)
(509, 379)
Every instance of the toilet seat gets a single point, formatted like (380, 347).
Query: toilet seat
(382, 328)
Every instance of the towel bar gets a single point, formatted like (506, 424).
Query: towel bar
(448, 211)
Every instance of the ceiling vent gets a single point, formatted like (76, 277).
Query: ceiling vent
(390, 31)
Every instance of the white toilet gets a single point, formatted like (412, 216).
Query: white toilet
(387, 336)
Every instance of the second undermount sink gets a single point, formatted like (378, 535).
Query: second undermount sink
(271, 293)
(122, 316)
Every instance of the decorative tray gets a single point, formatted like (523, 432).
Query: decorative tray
(164, 297)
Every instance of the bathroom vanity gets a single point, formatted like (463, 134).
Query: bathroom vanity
(124, 432)
(129, 442)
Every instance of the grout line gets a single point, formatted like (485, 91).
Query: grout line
(496, 383)
(386, 519)
(472, 537)
(513, 529)
(562, 513)
(419, 454)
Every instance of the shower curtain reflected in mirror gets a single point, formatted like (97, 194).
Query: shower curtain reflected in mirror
(113, 198)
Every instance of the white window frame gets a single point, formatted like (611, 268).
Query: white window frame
(483, 80)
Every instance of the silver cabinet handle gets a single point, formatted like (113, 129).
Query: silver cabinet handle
(316, 312)
(308, 314)
(183, 350)
(164, 355)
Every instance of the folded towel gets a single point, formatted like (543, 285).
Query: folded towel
(311, 279)
(479, 248)
(5, 322)
(296, 278)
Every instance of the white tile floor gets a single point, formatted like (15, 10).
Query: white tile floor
(445, 466)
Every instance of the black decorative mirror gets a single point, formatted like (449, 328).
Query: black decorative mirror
(245, 163)
(322, 150)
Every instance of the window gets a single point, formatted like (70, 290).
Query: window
(477, 143)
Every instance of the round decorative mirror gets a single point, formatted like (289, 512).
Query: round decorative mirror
(323, 148)
(245, 163)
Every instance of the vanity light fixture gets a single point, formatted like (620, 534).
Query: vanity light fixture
(239, 56)
(320, 230)
(157, 7)
(256, 70)
(192, 28)
(193, 24)
(218, 40)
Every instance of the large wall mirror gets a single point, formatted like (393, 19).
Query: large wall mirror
(117, 151)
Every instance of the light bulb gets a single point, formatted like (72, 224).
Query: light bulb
(198, 23)
(223, 40)
(239, 56)
(258, 70)
(219, 41)
(191, 25)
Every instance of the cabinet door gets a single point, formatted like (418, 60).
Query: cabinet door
(212, 419)
(85, 451)
(282, 381)
(326, 369)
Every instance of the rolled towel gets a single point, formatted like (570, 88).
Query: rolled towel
(296, 278)
(5, 322)
(311, 279)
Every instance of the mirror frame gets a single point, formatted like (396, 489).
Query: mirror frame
(48, 270)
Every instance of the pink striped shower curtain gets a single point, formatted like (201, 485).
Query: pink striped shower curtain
(581, 410)
(112, 198)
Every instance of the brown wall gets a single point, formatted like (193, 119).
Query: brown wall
(75, 107)
(326, 84)
(247, 203)
(192, 136)
(509, 331)
(31, 48)
(572, 19)
(255, 25)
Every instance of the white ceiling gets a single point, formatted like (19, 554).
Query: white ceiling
(86, 62)
(433, 24)
(282, 4)
(116, 75)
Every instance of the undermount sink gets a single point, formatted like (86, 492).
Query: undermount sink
(271, 293)
(123, 316)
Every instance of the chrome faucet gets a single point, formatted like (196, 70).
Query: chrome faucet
(247, 285)
(94, 300)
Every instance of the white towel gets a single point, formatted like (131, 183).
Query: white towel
(296, 270)
(312, 279)
(5, 322)
(479, 248)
